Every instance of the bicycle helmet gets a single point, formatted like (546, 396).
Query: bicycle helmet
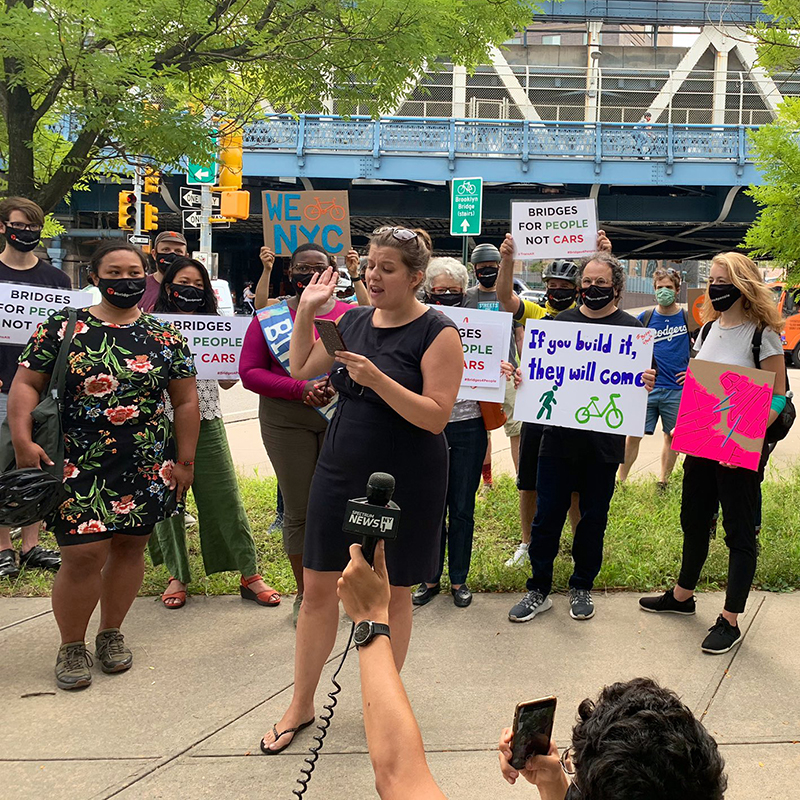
(484, 253)
(565, 270)
(26, 496)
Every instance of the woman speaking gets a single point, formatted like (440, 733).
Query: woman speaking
(397, 384)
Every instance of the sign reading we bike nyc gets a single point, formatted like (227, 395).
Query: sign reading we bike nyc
(294, 218)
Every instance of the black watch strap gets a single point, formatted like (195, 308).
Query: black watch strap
(357, 278)
(375, 629)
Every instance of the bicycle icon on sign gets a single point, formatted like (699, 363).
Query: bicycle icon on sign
(612, 414)
(318, 209)
(468, 187)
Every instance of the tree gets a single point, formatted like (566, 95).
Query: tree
(89, 85)
(776, 231)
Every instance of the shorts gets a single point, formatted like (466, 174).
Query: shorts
(512, 427)
(662, 403)
(530, 439)
(67, 539)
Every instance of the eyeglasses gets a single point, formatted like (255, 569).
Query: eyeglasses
(446, 290)
(23, 226)
(401, 234)
(568, 765)
(602, 282)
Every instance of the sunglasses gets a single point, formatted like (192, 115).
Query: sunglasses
(401, 234)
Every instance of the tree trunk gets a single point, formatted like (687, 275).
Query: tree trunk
(20, 124)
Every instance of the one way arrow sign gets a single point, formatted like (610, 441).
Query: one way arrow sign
(191, 220)
(191, 198)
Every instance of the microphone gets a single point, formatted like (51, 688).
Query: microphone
(375, 516)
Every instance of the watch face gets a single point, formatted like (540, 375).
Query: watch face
(362, 632)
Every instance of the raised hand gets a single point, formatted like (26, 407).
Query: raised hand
(319, 290)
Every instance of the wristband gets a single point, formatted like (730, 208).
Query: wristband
(357, 279)
(778, 403)
(187, 463)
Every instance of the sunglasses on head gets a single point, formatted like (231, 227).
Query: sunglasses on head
(401, 234)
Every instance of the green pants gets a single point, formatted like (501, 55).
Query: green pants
(226, 540)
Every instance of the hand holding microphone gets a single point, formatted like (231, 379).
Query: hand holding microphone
(364, 590)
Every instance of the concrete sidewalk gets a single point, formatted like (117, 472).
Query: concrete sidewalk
(209, 680)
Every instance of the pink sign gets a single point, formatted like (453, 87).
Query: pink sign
(723, 413)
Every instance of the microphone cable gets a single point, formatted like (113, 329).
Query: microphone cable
(325, 722)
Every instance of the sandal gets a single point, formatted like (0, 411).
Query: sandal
(179, 596)
(265, 749)
(266, 598)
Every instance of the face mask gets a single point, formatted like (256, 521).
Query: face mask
(300, 280)
(597, 297)
(665, 297)
(487, 277)
(122, 292)
(24, 241)
(561, 299)
(186, 298)
(163, 260)
(723, 295)
(447, 299)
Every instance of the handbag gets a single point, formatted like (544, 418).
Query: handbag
(493, 415)
(47, 427)
(784, 421)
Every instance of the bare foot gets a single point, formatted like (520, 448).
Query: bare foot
(172, 587)
(289, 720)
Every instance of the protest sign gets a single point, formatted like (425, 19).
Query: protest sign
(23, 307)
(294, 218)
(695, 298)
(584, 375)
(484, 336)
(723, 413)
(561, 229)
(215, 342)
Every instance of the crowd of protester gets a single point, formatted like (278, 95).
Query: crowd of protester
(141, 431)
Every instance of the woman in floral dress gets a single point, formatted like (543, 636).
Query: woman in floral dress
(123, 471)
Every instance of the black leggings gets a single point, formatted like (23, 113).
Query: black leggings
(706, 486)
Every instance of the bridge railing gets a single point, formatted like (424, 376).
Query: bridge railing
(508, 139)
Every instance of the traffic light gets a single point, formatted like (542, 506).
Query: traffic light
(235, 205)
(230, 158)
(150, 217)
(127, 211)
(152, 182)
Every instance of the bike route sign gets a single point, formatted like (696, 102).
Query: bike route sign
(584, 375)
(466, 207)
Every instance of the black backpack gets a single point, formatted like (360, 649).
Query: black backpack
(784, 421)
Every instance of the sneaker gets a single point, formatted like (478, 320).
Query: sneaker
(298, 601)
(72, 666)
(667, 604)
(39, 557)
(532, 604)
(111, 651)
(520, 555)
(722, 637)
(8, 563)
(277, 525)
(580, 604)
(189, 520)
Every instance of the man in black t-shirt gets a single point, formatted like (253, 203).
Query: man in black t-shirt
(21, 223)
(580, 461)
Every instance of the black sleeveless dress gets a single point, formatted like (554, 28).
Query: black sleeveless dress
(367, 436)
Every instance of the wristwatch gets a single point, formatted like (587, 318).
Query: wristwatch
(367, 630)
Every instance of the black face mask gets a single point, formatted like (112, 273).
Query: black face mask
(163, 260)
(487, 277)
(185, 297)
(24, 241)
(561, 299)
(597, 297)
(723, 295)
(122, 292)
(448, 299)
(300, 280)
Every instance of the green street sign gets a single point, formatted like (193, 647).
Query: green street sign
(466, 207)
(199, 174)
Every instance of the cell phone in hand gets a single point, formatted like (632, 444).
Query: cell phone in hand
(328, 331)
(533, 729)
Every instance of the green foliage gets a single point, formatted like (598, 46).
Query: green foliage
(89, 85)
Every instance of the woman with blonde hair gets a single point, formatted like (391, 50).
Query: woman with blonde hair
(738, 310)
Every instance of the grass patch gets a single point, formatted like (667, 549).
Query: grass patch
(642, 546)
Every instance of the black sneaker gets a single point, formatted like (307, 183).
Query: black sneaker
(532, 604)
(425, 594)
(580, 604)
(722, 637)
(8, 564)
(667, 604)
(40, 558)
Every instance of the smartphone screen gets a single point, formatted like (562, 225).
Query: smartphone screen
(329, 333)
(533, 729)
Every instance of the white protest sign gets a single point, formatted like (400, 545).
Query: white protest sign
(584, 375)
(484, 336)
(561, 229)
(23, 307)
(215, 342)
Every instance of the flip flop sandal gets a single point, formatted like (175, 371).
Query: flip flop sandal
(269, 597)
(179, 596)
(265, 749)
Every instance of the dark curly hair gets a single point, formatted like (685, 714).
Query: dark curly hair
(640, 742)
(617, 272)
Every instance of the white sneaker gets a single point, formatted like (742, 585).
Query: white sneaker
(190, 520)
(520, 555)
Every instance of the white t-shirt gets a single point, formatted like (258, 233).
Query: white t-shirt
(735, 345)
